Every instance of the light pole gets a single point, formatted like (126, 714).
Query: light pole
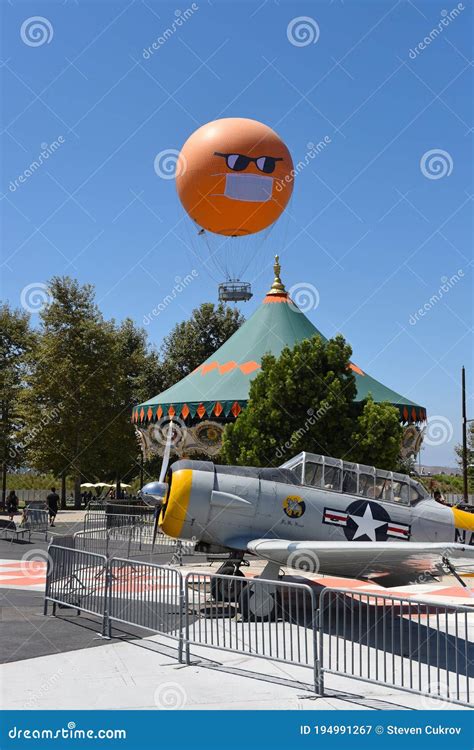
(465, 421)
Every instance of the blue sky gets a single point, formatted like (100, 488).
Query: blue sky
(372, 225)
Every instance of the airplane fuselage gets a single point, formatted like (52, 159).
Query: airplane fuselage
(210, 506)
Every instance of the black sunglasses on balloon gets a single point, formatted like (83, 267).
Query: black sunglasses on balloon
(239, 162)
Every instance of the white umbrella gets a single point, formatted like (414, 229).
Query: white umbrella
(87, 484)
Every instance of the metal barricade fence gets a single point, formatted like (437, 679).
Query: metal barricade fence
(454, 498)
(123, 532)
(272, 620)
(131, 540)
(118, 515)
(94, 519)
(420, 647)
(37, 520)
(76, 579)
(93, 540)
(147, 595)
(63, 540)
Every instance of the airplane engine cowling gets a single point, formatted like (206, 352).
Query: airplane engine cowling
(185, 511)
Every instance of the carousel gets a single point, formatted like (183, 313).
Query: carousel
(201, 404)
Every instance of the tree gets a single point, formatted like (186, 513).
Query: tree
(135, 370)
(191, 342)
(304, 400)
(301, 401)
(377, 437)
(67, 404)
(16, 340)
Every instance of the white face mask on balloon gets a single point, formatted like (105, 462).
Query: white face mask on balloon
(248, 187)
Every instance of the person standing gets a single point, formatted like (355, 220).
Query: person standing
(439, 497)
(12, 504)
(53, 504)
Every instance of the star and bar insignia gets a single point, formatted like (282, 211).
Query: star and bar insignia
(364, 520)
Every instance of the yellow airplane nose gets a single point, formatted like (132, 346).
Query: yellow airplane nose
(463, 519)
(174, 509)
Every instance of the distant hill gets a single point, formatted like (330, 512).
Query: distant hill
(438, 470)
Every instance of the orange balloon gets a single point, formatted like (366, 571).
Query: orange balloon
(234, 176)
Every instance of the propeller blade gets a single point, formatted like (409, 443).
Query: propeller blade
(155, 526)
(154, 493)
(167, 451)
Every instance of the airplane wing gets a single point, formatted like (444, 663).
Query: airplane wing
(363, 559)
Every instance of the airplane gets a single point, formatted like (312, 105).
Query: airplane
(315, 514)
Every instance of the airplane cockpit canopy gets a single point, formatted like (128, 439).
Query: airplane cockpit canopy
(337, 475)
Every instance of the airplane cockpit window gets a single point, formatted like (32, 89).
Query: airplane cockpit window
(326, 473)
(401, 492)
(332, 478)
(313, 474)
(298, 470)
(349, 482)
(367, 485)
(383, 485)
(416, 492)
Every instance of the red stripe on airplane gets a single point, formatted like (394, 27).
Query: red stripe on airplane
(398, 529)
(337, 517)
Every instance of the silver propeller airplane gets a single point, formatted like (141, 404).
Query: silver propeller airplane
(317, 514)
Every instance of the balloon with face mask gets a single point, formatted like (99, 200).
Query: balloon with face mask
(234, 176)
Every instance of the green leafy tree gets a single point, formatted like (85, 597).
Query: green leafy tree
(136, 370)
(377, 436)
(16, 340)
(191, 342)
(73, 383)
(151, 379)
(304, 400)
(301, 401)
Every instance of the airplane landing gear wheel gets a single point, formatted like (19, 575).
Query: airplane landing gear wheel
(258, 604)
(226, 590)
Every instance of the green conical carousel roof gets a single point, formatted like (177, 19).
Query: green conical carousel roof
(220, 386)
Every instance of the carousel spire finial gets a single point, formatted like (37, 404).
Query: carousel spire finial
(277, 286)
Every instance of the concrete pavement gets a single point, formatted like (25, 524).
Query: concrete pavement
(145, 674)
(62, 662)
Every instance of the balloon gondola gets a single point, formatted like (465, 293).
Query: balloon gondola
(235, 291)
